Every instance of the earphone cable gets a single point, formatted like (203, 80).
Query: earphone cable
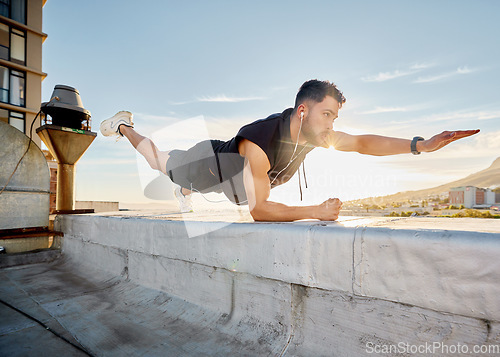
(293, 153)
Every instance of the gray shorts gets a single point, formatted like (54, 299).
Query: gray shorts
(191, 168)
(200, 169)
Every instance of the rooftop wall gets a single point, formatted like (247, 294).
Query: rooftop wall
(25, 200)
(321, 287)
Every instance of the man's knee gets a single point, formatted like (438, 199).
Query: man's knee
(158, 163)
(156, 159)
(153, 163)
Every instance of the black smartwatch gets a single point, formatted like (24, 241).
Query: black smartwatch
(414, 150)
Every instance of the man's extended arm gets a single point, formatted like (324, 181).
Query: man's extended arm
(257, 185)
(384, 145)
(258, 188)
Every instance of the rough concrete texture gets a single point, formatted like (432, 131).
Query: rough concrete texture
(25, 201)
(33, 257)
(434, 269)
(300, 289)
(451, 271)
(18, 245)
(110, 315)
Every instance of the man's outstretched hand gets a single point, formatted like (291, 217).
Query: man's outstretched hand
(440, 140)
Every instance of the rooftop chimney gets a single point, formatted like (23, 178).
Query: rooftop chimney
(67, 137)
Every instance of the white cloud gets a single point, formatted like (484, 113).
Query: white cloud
(379, 110)
(488, 115)
(180, 103)
(422, 65)
(461, 116)
(465, 70)
(458, 71)
(451, 118)
(415, 68)
(225, 99)
(385, 76)
(433, 78)
(408, 108)
(222, 98)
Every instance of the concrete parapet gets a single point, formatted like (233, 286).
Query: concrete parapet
(98, 206)
(325, 288)
(25, 183)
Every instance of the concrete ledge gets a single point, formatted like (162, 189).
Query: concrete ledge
(335, 287)
(433, 269)
(34, 257)
(450, 271)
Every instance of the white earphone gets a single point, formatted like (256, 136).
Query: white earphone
(301, 116)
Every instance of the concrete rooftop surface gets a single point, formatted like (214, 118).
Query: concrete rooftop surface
(233, 214)
(212, 283)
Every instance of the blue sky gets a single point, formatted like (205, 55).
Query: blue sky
(406, 67)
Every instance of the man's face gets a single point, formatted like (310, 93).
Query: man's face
(318, 121)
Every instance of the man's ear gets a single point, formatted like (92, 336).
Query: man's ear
(302, 108)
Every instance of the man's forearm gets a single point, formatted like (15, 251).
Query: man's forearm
(278, 212)
(383, 145)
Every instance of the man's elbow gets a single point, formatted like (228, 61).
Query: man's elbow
(354, 143)
(259, 213)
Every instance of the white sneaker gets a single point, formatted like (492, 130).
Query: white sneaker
(109, 127)
(185, 203)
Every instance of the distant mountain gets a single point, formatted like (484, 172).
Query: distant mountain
(489, 177)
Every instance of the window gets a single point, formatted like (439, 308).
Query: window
(14, 9)
(17, 120)
(4, 41)
(12, 86)
(12, 44)
(4, 84)
(5, 8)
(17, 83)
(18, 46)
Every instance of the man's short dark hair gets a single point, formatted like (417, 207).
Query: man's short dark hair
(317, 91)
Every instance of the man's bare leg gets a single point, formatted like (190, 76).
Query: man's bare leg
(156, 158)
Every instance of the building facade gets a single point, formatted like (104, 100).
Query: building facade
(471, 196)
(21, 75)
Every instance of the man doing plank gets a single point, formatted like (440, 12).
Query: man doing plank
(267, 152)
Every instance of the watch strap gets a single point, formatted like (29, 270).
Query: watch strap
(414, 150)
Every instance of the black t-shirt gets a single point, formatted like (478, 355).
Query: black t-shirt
(272, 135)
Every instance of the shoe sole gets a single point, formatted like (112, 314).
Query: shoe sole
(116, 122)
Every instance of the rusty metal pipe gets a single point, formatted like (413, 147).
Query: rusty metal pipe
(67, 145)
(65, 198)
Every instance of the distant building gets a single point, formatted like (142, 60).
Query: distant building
(21, 75)
(471, 196)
